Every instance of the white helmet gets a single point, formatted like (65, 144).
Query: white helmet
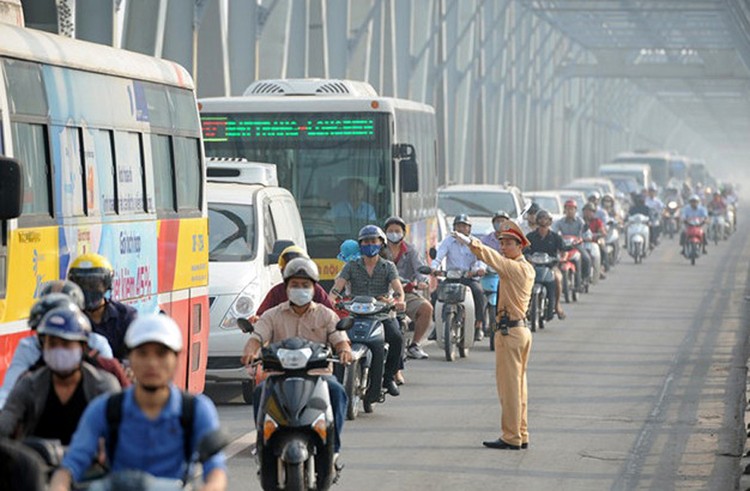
(154, 328)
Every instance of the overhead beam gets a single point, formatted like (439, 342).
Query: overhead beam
(654, 71)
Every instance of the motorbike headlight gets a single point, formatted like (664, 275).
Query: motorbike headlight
(294, 359)
(243, 306)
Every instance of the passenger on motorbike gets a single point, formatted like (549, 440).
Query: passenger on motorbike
(717, 205)
(28, 353)
(277, 294)
(594, 198)
(657, 208)
(458, 257)
(49, 402)
(149, 435)
(572, 224)
(612, 208)
(375, 276)
(695, 210)
(300, 316)
(544, 240)
(530, 224)
(94, 274)
(408, 261)
(492, 239)
(598, 230)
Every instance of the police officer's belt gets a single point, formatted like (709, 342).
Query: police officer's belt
(518, 323)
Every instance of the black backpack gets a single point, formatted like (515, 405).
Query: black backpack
(114, 418)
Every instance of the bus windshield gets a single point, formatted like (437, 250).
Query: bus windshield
(659, 166)
(337, 165)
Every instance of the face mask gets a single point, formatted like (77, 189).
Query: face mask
(300, 296)
(394, 237)
(63, 361)
(92, 299)
(369, 250)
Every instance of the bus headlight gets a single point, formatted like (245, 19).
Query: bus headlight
(243, 306)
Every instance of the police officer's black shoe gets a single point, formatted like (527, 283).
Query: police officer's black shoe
(524, 446)
(391, 388)
(501, 445)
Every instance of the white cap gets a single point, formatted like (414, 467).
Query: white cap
(154, 328)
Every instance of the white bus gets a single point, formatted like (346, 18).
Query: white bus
(349, 156)
(109, 142)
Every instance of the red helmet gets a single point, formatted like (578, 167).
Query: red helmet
(570, 203)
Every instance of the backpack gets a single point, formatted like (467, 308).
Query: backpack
(114, 418)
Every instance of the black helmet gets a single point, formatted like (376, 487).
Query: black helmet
(500, 214)
(589, 206)
(395, 219)
(371, 232)
(45, 304)
(301, 267)
(533, 209)
(542, 215)
(67, 287)
(462, 218)
(66, 323)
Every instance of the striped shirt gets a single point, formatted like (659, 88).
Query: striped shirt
(361, 283)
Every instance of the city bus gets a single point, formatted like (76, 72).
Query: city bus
(110, 148)
(660, 162)
(349, 156)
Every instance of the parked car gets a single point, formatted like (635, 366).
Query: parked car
(250, 221)
(480, 202)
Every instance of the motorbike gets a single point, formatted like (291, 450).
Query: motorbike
(362, 379)
(638, 237)
(540, 310)
(612, 243)
(295, 422)
(490, 285)
(694, 237)
(671, 216)
(718, 227)
(455, 325)
(569, 261)
(592, 247)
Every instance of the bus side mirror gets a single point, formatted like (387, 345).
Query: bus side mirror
(278, 248)
(11, 189)
(409, 175)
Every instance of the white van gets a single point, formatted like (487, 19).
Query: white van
(641, 172)
(250, 221)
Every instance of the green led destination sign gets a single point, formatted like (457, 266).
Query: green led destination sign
(219, 129)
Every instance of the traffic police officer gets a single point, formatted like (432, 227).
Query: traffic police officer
(512, 338)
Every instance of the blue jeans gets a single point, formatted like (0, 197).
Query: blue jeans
(338, 403)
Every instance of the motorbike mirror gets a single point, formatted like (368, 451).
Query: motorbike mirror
(344, 324)
(211, 444)
(424, 270)
(433, 253)
(245, 325)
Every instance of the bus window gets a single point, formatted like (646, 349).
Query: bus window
(30, 144)
(161, 157)
(129, 165)
(100, 172)
(69, 146)
(23, 81)
(188, 173)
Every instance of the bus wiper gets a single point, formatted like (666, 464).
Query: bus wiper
(471, 205)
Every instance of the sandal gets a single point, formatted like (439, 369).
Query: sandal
(561, 315)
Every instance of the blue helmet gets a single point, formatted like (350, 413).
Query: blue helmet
(349, 251)
(66, 323)
(371, 232)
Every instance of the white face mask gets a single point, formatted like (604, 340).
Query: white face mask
(63, 361)
(300, 296)
(394, 237)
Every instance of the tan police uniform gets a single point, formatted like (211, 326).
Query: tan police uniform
(511, 351)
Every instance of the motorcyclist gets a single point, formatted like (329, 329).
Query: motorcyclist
(277, 294)
(375, 276)
(301, 316)
(459, 257)
(49, 402)
(657, 208)
(530, 224)
(639, 208)
(598, 232)
(408, 261)
(544, 240)
(695, 210)
(610, 206)
(594, 198)
(572, 224)
(94, 274)
(717, 205)
(151, 434)
(492, 238)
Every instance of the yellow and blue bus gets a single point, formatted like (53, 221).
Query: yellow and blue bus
(110, 146)
(331, 140)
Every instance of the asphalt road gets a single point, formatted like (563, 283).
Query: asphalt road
(641, 387)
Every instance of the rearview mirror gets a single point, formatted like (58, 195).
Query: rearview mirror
(245, 325)
(345, 324)
(432, 252)
(11, 188)
(409, 172)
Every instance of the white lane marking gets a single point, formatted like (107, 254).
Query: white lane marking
(240, 444)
